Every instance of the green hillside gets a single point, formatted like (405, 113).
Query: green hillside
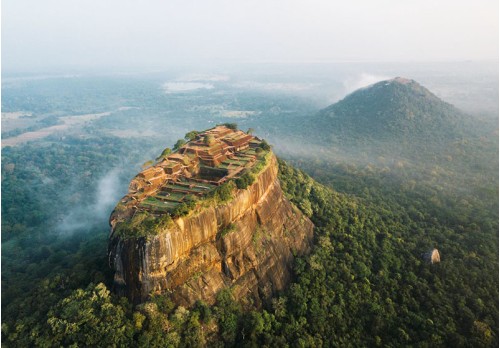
(397, 118)
(394, 109)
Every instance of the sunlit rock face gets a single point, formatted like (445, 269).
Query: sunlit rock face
(193, 260)
(432, 256)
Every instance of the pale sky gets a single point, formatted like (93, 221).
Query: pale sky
(163, 33)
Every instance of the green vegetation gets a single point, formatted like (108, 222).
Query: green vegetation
(147, 164)
(390, 110)
(158, 204)
(179, 144)
(364, 283)
(191, 135)
(167, 151)
(77, 320)
(245, 180)
(144, 224)
(226, 230)
(147, 223)
(223, 193)
(248, 178)
(264, 145)
(233, 126)
(367, 262)
(263, 160)
(184, 208)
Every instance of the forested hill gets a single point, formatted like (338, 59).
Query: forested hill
(397, 117)
(398, 126)
(397, 108)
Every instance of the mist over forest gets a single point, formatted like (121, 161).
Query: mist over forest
(73, 140)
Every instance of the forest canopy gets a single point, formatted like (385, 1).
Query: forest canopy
(365, 282)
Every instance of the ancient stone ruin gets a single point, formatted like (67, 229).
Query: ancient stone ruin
(213, 157)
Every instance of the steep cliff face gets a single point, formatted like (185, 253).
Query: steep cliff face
(247, 243)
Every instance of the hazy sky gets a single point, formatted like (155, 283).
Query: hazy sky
(161, 33)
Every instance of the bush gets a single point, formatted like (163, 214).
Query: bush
(165, 153)
(191, 135)
(184, 208)
(224, 192)
(265, 146)
(179, 144)
(226, 230)
(261, 163)
(142, 224)
(181, 210)
(232, 126)
(227, 312)
(244, 181)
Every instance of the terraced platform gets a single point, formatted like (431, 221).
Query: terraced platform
(195, 169)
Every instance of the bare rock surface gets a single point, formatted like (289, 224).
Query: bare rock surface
(432, 256)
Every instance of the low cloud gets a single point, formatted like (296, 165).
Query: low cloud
(108, 191)
(179, 87)
(204, 77)
(362, 80)
(275, 86)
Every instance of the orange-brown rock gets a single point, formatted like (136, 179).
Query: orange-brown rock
(432, 256)
(193, 260)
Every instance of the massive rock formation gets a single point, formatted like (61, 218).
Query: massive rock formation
(247, 243)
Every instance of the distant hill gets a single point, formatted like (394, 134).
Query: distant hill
(397, 112)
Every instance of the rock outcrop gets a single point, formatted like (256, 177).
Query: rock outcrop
(432, 256)
(247, 243)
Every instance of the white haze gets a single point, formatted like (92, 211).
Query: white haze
(363, 80)
(176, 87)
(203, 77)
(275, 86)
(158, 34)
(108, 191)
